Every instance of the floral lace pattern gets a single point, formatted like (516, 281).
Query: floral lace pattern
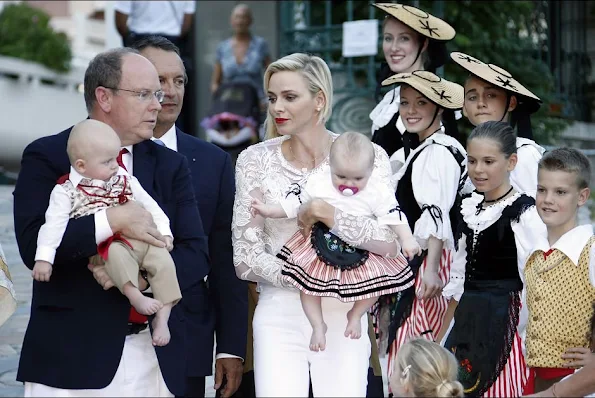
(263, 172)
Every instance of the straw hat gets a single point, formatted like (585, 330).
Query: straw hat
(498, 77)
(419, 20)
(438, 90)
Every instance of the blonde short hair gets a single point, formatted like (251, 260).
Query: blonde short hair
(428, 369)
(317, 75)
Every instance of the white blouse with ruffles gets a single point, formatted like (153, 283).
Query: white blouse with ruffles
(435, 178)
(529, 230)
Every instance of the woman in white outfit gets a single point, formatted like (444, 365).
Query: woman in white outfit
(299, 88)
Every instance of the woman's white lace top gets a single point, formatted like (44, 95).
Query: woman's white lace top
(263, 172)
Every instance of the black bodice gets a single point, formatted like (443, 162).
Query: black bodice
(492, 253)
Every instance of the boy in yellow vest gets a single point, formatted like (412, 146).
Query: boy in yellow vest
(560, 273)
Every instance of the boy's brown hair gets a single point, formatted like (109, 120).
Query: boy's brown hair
(569, 160)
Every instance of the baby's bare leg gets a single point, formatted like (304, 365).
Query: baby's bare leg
(313, 309)
(354, 317)
(161, 334)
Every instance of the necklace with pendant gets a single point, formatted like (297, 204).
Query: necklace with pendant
(305, 166)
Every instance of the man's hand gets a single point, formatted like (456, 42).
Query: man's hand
(431, 284)
(101, 276)
(232, 369)
(133, 221)
(169, 243)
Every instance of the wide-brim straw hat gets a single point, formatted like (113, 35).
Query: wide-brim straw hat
(442, 92)
(419, 20)
(498, 77)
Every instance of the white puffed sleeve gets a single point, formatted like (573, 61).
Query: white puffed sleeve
(435, 180)
(387, 209)
(529, 230)
(524, 176)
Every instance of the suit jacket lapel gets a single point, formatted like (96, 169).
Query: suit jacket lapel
(143, 164)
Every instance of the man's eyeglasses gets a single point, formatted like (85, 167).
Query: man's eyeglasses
(144, 95)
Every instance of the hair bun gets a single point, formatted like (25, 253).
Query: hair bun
(450, 389)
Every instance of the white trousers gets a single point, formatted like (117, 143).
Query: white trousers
(283, 362)
(138, 375)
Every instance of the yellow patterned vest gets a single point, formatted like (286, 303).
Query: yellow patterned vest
(560, 301)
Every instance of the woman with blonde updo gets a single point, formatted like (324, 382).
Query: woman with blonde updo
(425, 369)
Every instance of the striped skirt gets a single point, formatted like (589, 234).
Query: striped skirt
(426, 316)
(375, 277)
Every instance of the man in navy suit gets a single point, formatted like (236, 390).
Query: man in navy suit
(214, 188)
(80, 340)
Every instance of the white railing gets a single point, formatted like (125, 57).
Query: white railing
(36, 102)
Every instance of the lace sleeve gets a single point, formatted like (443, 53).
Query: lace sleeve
(251, 260)
(365, 232)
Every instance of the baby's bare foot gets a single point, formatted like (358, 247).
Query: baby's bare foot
(354, 325)
(161, 335)
(318, 339)
(146, 305)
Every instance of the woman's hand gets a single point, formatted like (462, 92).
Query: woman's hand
(312, 212)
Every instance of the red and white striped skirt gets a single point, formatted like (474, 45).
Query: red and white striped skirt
(377, 276)
(425, 319)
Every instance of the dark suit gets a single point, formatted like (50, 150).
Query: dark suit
(76, 332)
(214, 188)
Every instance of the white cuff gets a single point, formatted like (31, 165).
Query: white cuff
(102, 227)
(223, 355)
(45, 253)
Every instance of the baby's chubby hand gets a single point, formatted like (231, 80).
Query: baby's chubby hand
(410, 248)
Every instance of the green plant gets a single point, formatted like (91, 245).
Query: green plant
(25, 33)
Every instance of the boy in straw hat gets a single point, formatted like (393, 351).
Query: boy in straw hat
(428, 186)
(491, 93)
(412, 40)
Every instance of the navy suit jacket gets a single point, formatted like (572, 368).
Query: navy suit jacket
(76, 331)
(214, 188)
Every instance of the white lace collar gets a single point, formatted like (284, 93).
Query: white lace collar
(487, 216)
(386, 109)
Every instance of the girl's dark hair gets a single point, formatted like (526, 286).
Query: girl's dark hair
(501, 132)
